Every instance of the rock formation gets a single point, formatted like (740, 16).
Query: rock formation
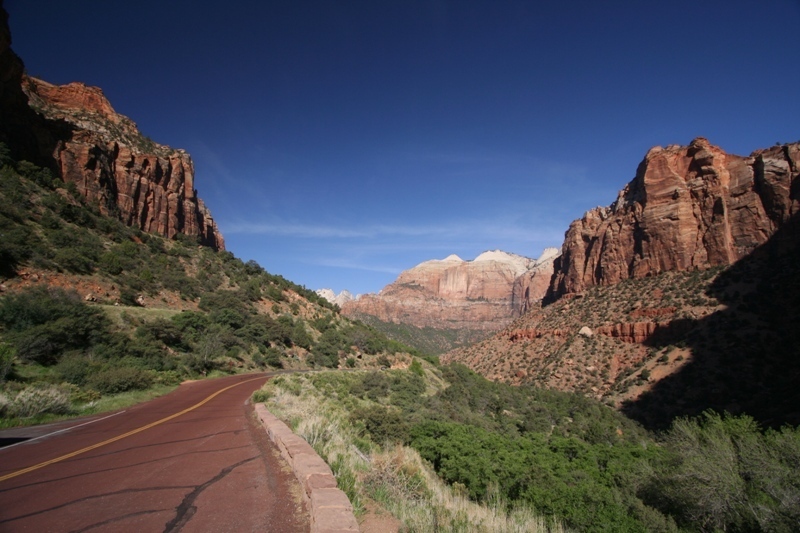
(530, 287)
(688, 207)
(670, 333)
(453, 293)
(73, 130)
(338, 299)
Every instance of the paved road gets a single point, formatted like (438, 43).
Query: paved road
(188, 461)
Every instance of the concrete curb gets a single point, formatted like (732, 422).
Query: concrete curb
(331, 511)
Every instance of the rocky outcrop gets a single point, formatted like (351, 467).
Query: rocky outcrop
(530, 287)
(74, 130)
(338, 299)
(144, 184)
(688, 207)
(450, 293)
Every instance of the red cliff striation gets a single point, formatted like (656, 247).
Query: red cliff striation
(144, 184)
(453, 293)
(74, 130)
(688, 207)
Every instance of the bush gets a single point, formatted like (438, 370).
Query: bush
(34, 401)
(382, 424)
(75, 369)
(6, 360)
(724, 474)
(122, 379)
(43, 323)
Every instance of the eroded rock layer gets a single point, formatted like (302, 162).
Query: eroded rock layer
(453, 293)
(688, 207)
(74, 130)
(145, 184)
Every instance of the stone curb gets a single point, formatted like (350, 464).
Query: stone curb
(331, 511)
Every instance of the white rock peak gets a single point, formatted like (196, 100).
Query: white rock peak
(338, 299)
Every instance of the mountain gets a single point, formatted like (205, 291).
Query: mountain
(676, 298)
(451, 293)
(338, 299)
(688, 207)
(74, 131)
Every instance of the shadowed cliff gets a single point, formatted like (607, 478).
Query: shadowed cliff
(746, 357)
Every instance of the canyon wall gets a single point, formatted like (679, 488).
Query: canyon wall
(73, 130)
(457, 294)
(688, 207)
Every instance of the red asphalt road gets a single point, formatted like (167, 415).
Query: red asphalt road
(208, 469)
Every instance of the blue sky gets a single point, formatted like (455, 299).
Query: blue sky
(338, 143)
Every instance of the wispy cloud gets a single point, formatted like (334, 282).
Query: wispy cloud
(354, 265)
(451, 230)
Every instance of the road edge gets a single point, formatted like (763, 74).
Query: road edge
(330, 509)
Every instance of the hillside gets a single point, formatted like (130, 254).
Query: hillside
(89, 306)
(654, 317)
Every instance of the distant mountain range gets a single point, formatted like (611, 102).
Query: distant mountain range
(451, 294)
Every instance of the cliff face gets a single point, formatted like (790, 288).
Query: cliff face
(450, 293)
(641, 317)
(688, 207)
(74, 130)
(530, 287)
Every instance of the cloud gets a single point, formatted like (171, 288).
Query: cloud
(352, 265)
(469, 229)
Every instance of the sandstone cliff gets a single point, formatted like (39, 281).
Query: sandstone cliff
(73, 130)
(679, 297)
(688, 207)
(452, 293)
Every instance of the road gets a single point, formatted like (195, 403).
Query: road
(193, 460)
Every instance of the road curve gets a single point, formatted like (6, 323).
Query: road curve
(193, 460)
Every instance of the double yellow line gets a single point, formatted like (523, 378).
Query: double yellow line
(124, 435)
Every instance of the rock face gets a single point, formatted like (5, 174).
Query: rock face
(530, 287)
(338, 299)
(452, 293)
(74, 130)
(688, 207)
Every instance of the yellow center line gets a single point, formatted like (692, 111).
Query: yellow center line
(124, 435)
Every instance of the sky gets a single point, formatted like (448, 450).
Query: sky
(338, 143)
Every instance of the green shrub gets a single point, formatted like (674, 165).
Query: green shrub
(75, 369)
(121, 379)
(382, 424)
(43, 323)
(416, 367)
(7, 354)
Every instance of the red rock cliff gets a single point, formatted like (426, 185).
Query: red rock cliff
(74, 130)
(451, 293)
(145, 184)
(688, 207)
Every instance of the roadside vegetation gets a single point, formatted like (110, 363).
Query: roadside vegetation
(443, 449)
(92, 309)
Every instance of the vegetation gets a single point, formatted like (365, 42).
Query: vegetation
(427, 340)
(523, 451)
(151, 311)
